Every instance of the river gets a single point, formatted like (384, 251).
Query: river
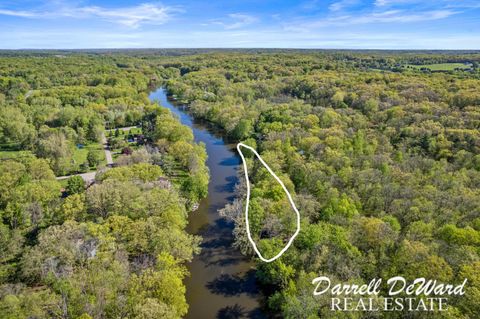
(222, 281)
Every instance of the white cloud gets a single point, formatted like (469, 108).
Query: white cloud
(65, 39)
(14, 13)
(132, 16)
(384, 3)
(236, 21)
(430, 3)
(389, 16)
(135, 16)
(400, 16)
(340, 5)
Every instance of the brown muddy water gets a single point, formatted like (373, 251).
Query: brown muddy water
(222, 281)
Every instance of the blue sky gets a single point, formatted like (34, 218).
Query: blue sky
(356, 24)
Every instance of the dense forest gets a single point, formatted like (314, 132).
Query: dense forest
(115, 247)
(385, 166)
(383, 162)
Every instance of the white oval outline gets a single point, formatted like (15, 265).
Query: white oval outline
(239, 145)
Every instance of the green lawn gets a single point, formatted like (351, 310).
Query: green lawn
(440, 66)
(80, 154)
(122, 134)
(14, 154)
(135, 130)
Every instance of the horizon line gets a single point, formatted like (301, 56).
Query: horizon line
(235, 48)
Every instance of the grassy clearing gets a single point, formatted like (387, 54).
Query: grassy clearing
(124, 134)
(80, 154)
(440, 66)
(14, 154)
(133, 131)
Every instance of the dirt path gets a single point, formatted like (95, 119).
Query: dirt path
(106, 148)
(90, 176)
(87, 177)
(125, 129)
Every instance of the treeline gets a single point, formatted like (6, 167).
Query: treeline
(113, 249)
(52, 104)
(385, 168)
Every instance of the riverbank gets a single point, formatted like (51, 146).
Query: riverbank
(222, 281)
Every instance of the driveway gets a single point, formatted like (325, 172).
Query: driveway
(106, 148)
(90, 176)
(87, 177)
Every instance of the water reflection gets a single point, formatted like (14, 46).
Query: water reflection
(222, 281)
(234, 285)
(237, 311)
(217, 245)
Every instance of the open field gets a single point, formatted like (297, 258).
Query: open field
(80, 154)
(441, 66)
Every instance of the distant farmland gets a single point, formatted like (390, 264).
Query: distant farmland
(440, 66)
